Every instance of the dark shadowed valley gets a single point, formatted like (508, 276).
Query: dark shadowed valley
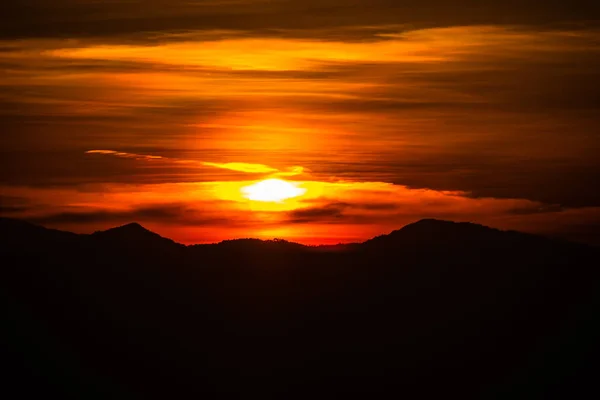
(435, 308)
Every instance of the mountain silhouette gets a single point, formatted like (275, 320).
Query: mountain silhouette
(132, 229)
(447, 233)
(434, 308)
(134, 237)
(19, 233)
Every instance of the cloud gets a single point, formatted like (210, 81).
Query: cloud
(146, 157)
(541, 209)
(101, 152)
(232, 166)
(243, 167)
(143, 21)
(10, 205)
(292, 171)
(170, 214)
(355, 211)
(327, 213)
(5, 210)
(506, 111)
(378, 204)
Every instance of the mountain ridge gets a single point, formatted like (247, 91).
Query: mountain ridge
(435, 301)
(421, 229)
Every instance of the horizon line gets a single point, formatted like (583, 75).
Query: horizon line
(275, 239)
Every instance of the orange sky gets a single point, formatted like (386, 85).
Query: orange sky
(303, 210)
(379, 120)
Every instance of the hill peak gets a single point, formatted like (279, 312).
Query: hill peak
(133, 226)
(434, 232)
(135, 239)
(430, 222)
(130, 228)
(433, 225)
(132, 233)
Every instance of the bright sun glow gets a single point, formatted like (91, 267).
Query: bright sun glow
(274, 190)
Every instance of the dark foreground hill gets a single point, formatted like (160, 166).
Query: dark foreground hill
(434, 309)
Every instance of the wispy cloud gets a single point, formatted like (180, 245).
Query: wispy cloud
(171, 214)
(242, 167)
(232, 166)
(126, 155)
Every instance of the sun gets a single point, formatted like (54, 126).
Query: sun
(272, 190)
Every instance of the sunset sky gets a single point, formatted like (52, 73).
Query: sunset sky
(362, 116)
